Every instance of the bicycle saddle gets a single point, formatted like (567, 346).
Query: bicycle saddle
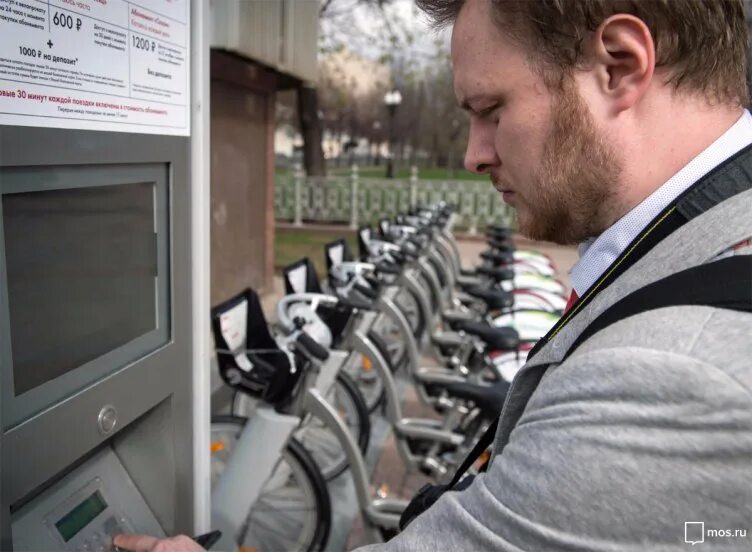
(489, 398)
(498, 257)
(500, 245)
(496, 338)
(496, 273)
(494, 299)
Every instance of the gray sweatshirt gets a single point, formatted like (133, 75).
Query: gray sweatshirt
(645, 428)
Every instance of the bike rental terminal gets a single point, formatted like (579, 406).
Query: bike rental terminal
(102, 182)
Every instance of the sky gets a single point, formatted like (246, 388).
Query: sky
(356, 26)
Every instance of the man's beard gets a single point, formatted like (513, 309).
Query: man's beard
(572, 195)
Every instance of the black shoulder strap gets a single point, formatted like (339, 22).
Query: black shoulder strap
(483, 443)
(725, 284)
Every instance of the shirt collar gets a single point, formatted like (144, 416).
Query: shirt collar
(597, 254)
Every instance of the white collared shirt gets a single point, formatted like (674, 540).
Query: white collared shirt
(597, 254)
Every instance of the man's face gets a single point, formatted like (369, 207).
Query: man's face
(540, 147)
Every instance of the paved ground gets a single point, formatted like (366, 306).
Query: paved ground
(389, 473)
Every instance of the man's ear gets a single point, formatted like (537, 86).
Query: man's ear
(623, 57)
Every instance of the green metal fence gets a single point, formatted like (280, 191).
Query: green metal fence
(299, 199)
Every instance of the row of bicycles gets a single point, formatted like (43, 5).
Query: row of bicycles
(342, 349)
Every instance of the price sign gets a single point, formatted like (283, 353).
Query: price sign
(114, 65)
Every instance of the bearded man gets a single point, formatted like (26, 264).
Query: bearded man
(617, 125)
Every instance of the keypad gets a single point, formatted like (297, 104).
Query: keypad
(101, 540)
(112, 527)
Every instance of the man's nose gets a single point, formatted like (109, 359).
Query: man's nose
(480, 155)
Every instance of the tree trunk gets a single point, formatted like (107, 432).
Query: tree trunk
(435, 151)
(310, 128)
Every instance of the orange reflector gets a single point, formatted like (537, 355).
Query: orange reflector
(216, 446)
(367, 366)
(248, 549)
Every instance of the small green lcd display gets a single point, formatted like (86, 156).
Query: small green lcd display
(80, 516)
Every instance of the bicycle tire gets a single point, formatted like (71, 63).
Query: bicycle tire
(420, 320)
(357, 397)
(439, 270)
(306, 472)
(383, 349)
(408, 304)
(426, 284)
(390, 334)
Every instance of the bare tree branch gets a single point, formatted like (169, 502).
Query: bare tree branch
(325, 5)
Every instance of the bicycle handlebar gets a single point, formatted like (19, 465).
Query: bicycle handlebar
(313, 299)
(309, 345)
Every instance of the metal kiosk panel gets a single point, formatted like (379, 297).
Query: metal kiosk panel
(95, 326)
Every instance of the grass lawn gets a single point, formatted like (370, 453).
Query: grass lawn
(292, 244)
(403, 173)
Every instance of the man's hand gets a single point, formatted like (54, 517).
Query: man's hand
(145, 543)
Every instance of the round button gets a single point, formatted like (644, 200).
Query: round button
(107, 419)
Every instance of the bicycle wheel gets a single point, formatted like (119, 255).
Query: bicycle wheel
(322, 443)
(393, 340)
(410, 306)
(390, 333)
(293, 509)
(426, 285)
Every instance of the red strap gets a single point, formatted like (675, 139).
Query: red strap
(573, 297)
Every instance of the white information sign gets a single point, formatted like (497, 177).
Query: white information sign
(111, 65)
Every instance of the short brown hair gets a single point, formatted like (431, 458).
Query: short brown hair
(701, 43)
